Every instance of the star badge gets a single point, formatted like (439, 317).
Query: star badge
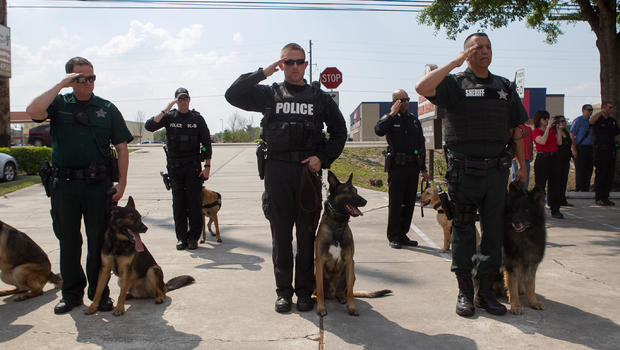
(503, 95)
(101, 113)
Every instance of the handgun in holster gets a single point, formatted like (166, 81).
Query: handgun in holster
(447, 204)
(261, 158)
(45, 172)
(166, 179)
(387, 165)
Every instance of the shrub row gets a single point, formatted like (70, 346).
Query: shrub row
(29, 159)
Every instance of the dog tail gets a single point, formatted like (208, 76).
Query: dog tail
(178, 282)
(373, 294)
(55, 279)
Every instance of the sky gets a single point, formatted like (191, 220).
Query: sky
(141, 56)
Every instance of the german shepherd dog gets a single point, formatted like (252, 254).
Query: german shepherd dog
(334, 266)
(524, 244)
(124, 253)
(211, 204)
(430, 196)
(23, 264)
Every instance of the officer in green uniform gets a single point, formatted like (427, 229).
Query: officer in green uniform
(483, 112)
(82, 127)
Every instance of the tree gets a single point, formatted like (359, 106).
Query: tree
(456, 16)
(140, 115)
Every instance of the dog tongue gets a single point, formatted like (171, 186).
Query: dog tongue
(137, 242)
(354, 211)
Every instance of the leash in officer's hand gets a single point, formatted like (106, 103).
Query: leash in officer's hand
(428, 184)
(308, 177)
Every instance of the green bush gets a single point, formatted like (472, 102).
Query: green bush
(29, 159)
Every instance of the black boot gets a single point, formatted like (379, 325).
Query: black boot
(464, 302)
(484, 297)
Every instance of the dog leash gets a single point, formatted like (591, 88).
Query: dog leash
(308, 177)
(428, 184)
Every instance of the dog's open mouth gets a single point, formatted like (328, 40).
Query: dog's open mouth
(352, 210)
(519, 227)
(425, 203)
(137, 241)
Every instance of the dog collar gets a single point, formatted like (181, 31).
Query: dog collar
(212, 204)
(329, 208)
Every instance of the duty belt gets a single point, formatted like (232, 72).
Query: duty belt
(462, 160)
(176, 161)
(402, 158)
(80, 174)
(293, 156)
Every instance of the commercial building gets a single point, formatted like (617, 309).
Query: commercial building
(364, 118)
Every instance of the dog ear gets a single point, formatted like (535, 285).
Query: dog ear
(350, 178)
(332, 180)
(130, 203)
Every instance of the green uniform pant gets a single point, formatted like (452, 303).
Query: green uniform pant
(71, 200)
(487, 193)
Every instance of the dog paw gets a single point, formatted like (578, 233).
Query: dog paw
(118, 311)
(159, 300)
(443, 250)
(219, 240)
(537, 305)
(353, 312)
(91, 309)
(202, 241)
(321, 311)
(516, 309)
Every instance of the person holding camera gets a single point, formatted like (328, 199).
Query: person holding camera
(407, 157)
(294, 113)
(82, 126)
(605, 135)
(547, 165)
(188, 143)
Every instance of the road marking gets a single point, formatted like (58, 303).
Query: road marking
(593, 221)
(428, 241)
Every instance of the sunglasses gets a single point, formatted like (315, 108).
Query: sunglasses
(183, 98)
(82, 80)
(299, 62)
(589, 109)
(406, 99)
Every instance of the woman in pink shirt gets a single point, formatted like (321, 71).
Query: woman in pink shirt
(546, 167)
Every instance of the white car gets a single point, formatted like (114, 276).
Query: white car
(8, 167)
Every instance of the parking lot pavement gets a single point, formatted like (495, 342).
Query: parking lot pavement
(230, 306)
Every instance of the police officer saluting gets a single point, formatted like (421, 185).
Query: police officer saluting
(188, 143)
(407, 155)
(294, 114)
(82, 126)
(483, 113)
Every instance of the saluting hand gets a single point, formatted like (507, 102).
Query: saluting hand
(395, 108)
(272, 68)
(464, 55)
(67, 81)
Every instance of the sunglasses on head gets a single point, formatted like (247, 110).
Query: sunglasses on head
(82, 79)
(299, 62)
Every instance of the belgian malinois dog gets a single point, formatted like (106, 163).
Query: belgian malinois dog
(23, 264)
(211, 204)
(333, 248)
(123, 252)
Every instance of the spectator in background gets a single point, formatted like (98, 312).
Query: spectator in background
(546, 170)
(606, 131)
(526, 131)
(581, 135)
(564, 156)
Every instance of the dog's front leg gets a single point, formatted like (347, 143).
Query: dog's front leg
(204, 235)
(320, 293)
(127, 280)
(512, 279)
(350, 283)
(104, 277)
(217, 228)
(530, 288)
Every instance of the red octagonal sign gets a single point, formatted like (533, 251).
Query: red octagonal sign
(331, 77)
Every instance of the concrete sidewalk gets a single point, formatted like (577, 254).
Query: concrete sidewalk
(231, 304)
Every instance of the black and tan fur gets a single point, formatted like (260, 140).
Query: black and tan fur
(333, 248)
(23, 264)
(430, 196)
(211, 204)
(139, 276)
(524, 244)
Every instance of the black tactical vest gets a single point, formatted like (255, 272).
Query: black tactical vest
(183, 135)
(293, 124)
(483, 113)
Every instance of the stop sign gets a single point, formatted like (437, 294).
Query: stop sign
(331, 77)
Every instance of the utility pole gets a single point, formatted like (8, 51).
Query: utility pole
(5, 123)
(310, 52)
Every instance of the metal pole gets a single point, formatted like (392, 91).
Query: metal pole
(5, 101)
(310, 52)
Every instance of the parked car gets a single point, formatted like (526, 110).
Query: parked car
(40, 136)
(8, 167)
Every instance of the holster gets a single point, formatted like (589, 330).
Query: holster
(113, 165)
(261, 158)
(387, 165)
(45, 172)
(166, 180)
(447, 204)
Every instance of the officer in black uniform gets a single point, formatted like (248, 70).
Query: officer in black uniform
(407, 157)
(605, 138)
(483, 112)
(294, 114)
(82, 126)
(188, 142)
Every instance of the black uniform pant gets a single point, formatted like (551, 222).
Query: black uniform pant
(583, 167)
(547, 174)
(71, 200)
(186, 199)
(605, 162)
(286, 204)
(403, 185)
(564, 164)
